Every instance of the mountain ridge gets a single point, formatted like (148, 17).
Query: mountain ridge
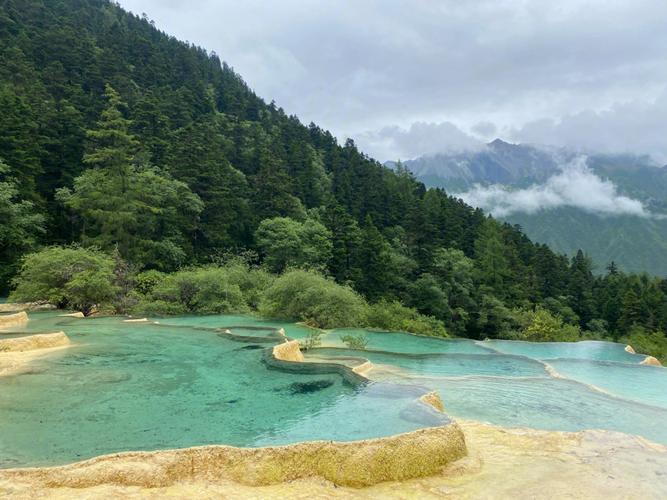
(637, 244)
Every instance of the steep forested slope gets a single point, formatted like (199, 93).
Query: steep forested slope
(122, 137)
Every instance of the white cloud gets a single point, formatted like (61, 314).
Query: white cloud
(421, 138)
(354, 66)
(636, 126)
(575, 186)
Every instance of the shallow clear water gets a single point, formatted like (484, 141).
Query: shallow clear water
(546, 403)
(596, 350)
(131, 386)
(645, 384)
(134, 386)
(505, 382)
(447, 365)
(405, 343)
(292, 330)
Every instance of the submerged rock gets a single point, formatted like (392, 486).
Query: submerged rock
(309, 387)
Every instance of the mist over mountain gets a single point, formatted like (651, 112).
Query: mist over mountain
(612, 206)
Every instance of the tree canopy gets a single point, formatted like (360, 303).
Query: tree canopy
(119, 137)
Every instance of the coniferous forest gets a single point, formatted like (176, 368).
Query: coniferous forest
(143, 172)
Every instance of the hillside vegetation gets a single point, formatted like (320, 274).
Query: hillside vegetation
(635, 243)
(119, 138)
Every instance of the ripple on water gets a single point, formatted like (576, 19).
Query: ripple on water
(641, 383)
(406, 343)
(546, 403)
(446, 364)
(593, 350)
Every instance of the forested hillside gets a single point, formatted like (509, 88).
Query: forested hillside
(636, 243)
(117, 136)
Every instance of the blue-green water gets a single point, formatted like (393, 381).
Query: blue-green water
(136, 386)
(409, 344)
(645, 384)
(292, 330)
(593, 350)
(506, 382)
(182, 382)
(447, 365)
(547, 403)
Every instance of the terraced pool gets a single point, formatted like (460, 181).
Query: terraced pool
(565, 386)
(188, 381)
(141, 386)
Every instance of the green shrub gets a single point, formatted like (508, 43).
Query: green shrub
(540, 325)
(307, 296)
(205, 290)
(313, 339)
(68, 277)
(232, 288)
(396, 317)
(145, 282)
(251, 280)
(358, 341)
(647, 342)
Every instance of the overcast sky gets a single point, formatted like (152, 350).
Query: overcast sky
(409, 77)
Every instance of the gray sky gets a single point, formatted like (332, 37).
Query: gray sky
(410, 77)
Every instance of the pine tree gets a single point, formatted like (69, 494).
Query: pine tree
(631, 309)
(490, 255)
(372, 263)
(580, 288)
(111, 146)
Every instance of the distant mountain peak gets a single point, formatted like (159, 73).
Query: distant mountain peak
(499, 143)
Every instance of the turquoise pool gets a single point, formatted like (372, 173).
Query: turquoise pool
(446, 365)
(409, 344)
(592, 350)
(183, 382)
(138, 386)
(644, 384)
(565, 386)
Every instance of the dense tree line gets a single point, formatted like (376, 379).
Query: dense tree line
(117, 136)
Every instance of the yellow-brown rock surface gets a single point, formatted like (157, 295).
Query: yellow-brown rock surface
(355, 464)
(77, 314)
(10, 307)
(33, 342)
(363, 368)
(433, 399)
(502, 463)
(650, 360)
(13, 320)
(17, 353)
(288, 351)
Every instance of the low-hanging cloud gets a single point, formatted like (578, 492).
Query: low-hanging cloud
(583, 74)
(636, 126)
(420, 138)
(574, 186)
